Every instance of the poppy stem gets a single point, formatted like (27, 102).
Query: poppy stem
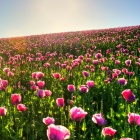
(77, 129)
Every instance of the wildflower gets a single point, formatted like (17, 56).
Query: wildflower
(98, 118)
(128, 95)
(77, 113)
(21, 107)
(108, 131)
(57, 132)
(71, 88)
(48, 120)
(60, 102)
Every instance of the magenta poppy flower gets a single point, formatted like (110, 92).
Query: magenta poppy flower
(63, 66)
(88, 59)
(137, 63)
(81, 57)
(130, 73)
(32, 82)
(56, 75)
(10, 74)
(71, 102)
(83, 89)
(128, 62)
(57, 63)
(39, 75)
(95, 62)
(98, 118)
(122, 81)
(3, 84)
(40, 93)
(118, 72)
(98, 55)
(34, 75)
(90, 84)
(108, 131)
(6, 70)
(63, 79)
(71, 88)
(117, 62)
(57, 132)
(103, 68)
(114, 75)
(21, 107)
(34, 87)
(15, 99)
(125, 70)
(48, 92)
(77, 113)
(128, 95)
(48, 120)
(134, 118)
(41, 84)
(3, 111)
(47, 65)
(85, 74)
(60, 102)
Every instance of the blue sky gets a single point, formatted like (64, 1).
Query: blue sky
(32, 17)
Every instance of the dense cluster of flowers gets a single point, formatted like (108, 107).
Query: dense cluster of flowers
(85, 83)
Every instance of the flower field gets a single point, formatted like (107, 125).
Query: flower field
(76, 85)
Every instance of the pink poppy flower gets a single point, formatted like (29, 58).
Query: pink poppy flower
(34, 75)
(71, 88)
(98, 55)
(118, 72)
(85, 74)
(57, 63)
(15, 99)
(40, 93)
(108, 131)
(63, 66)
(134, 118)
(90, 84)
(3, 111)
(128, 95)
(60, 102)
(47, 92)
(71, 102)
(34, 87)
(3, 84)
(21, 107)
(114, 75)
(48, 120)
(32, 82)
(68, 68)
(77, 113)
(95, 62)
(98, 118)
(122, 81)
(39, 75)
(128, 62)
(83, 89)
(41, 84)
(57, 132)
(56, 75)
(88, 59)
(47, 65)
(117, 62)
(6, 70)
(125, 70)
(10, 74)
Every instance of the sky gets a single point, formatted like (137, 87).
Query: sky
(34, 17)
